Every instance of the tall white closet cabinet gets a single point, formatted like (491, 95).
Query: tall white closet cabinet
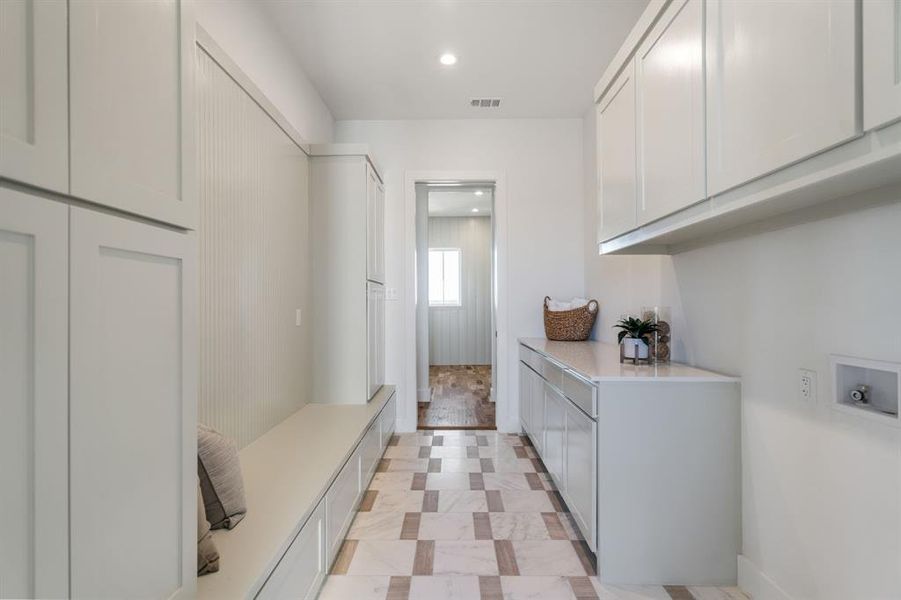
(347, 224)
(97, 309)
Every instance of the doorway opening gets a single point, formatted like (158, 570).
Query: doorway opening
(455, 303)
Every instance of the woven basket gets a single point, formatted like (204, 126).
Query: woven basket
(570, 325)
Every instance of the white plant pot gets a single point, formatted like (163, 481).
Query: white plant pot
(635, 348)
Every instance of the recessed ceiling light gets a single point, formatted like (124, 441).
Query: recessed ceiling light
(475, 210)
(479, 193)
(448, 60)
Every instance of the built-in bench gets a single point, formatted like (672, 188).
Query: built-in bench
(303, 480)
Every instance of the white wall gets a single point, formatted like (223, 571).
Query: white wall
(821, 489)
(243, 30)
(541, 163)
(461, 335)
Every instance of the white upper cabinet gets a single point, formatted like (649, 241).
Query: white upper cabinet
(131, 117)
(781, 84)
(881, 62)
(33, 94)
(34, 397)
(132, 409)
(670, 75)
(617, 173)
(375, 227)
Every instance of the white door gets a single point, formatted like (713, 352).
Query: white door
(881, 62)
(670, 75)
(34, 131)
(133, 403)
(34, 399)
(617, 160)
(580, 465)
(781, 85)
(130, 67)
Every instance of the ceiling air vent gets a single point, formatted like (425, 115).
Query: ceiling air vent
(485, 102)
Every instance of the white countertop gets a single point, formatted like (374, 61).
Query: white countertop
(599, 362)
(286, 472)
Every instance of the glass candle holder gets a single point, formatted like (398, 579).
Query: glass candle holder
(661, 340)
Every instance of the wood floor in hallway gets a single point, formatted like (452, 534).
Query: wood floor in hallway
(460, 398)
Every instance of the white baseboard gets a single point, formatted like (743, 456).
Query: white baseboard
(406, 426)
(758, 584)
(424, 395)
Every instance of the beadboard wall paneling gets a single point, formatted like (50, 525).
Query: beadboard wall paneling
(254, 262)
(462, 336)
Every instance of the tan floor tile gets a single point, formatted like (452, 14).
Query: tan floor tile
(717, 593)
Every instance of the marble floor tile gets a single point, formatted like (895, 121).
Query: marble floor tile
(447, 481)
(398, 501)
(506, 481)
(445, 587)
(358, 587)
(513, 465)
(446, 526)
(406, 439)
(629, 592)
(536, 588)
(531, 501)
(717, 593)
(462, 501)
(449, 452)
(463, 440)
(518, 526)
(383, 558)
(393, 452)
(385, 525)
(412, 465)
(569, 525)
(552, 557)
(464, 558)
(391, 481)
(461, 465)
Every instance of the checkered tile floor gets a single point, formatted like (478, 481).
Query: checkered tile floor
(472, 515)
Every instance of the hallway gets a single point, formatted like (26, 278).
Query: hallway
(463, 515)
(460, 398)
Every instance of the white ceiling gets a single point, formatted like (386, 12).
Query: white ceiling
(378, 59)
(460, 203)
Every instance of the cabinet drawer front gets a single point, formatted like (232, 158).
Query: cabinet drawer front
(552, 372)
(340, 501)
(302, 568)
(582, 393)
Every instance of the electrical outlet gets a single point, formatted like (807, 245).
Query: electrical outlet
(297, 318)
(807, 385)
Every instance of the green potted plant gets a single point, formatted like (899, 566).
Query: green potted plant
(634, 336)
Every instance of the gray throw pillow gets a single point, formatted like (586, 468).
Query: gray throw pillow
(220, 478)
(207, 554)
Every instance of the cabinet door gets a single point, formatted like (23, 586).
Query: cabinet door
(34, 401)
(131, 97)
(380, 234)
(371, 453)
(580, 465)
(372, 219)
(536, 398)
(133, 408)
(617, 160)
(525, 397)
(670, 76)
(301, 570)
(554, 432)
(340, 500)
(387, 420)
(33, 93)
(781, 85)
(881, 62)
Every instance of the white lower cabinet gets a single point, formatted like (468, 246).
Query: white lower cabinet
(554, 432)
(340, 502)
(33, 404)
(302, 569)
(525, 398)
(132, 408)
(580, 471)
(370, 452)
(536, 397)
(387, 421)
